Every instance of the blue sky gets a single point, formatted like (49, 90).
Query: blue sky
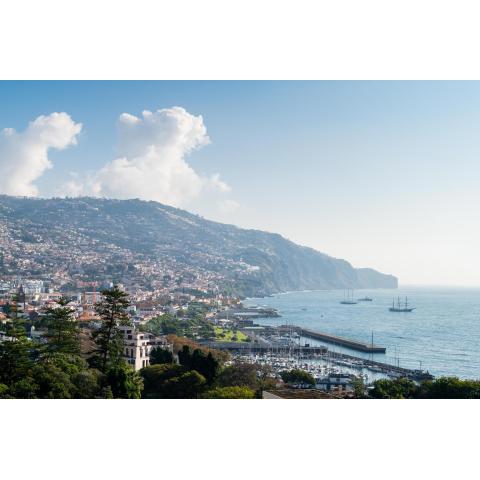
(383, 174)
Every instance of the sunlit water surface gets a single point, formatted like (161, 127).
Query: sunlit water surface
(443, 332)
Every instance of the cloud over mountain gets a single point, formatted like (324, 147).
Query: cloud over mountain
(24, 155)
(152, 160)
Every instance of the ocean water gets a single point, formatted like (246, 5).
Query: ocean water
(442, 335)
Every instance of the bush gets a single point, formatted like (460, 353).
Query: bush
(296, 376)
(450, 387)
(229, 393)
(397, 388)
(197, 360)
(171, 381)
(124, 381)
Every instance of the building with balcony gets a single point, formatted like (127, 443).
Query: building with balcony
(137, 347)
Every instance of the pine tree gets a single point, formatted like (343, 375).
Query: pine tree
(15, 354)
(62, 330)
(108, 338)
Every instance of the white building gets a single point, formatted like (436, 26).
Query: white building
(336, 382)
(137, 347)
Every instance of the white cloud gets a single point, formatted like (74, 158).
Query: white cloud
(24, 155)
(152, 160)
(151, 163)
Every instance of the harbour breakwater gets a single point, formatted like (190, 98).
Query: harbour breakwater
(344, 342)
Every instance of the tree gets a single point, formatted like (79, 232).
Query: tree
(266, 377)
(229, 392)
(155, 376)
(52, 382)
(60, 375)
(239, 374)
(163, 325)
(178, 343)
(171, 381)
(187, 385)
(124, 381)
(15, 360)
(359, 389)
(112, 310)
(88, 383)
(397, 388)
(62, 330)
(4, 391)
(15, 354)
(197, 360)
(297, 376)
(23, 388)
(450, 387)
(160, 355)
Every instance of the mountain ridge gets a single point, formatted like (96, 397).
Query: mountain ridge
(85, 237)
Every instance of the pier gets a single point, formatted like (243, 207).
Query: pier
(344, 342)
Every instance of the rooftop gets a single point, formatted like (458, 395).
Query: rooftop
(297, 393)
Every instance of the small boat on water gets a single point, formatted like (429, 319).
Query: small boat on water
(348, 298)
(365, 299)
(401, 307)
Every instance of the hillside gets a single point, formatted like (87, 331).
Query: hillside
(91, 238)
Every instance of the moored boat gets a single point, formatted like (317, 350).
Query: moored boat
(399, 307)
(348, 298)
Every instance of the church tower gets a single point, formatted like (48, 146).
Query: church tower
(21, 296)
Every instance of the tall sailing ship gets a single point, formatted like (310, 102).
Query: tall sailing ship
(399, 307)
(348, 298)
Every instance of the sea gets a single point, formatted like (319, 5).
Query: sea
(442, 334)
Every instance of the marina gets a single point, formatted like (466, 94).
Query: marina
(281, 348)
(329, 363)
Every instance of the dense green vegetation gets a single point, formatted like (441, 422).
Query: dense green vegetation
(297, 376)
(191, 323)
(199, 375)
(188, 323)
(171, 381)
(255, 377)
(229, 392)
(55, 369)
(160, 355)
(442, 387)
